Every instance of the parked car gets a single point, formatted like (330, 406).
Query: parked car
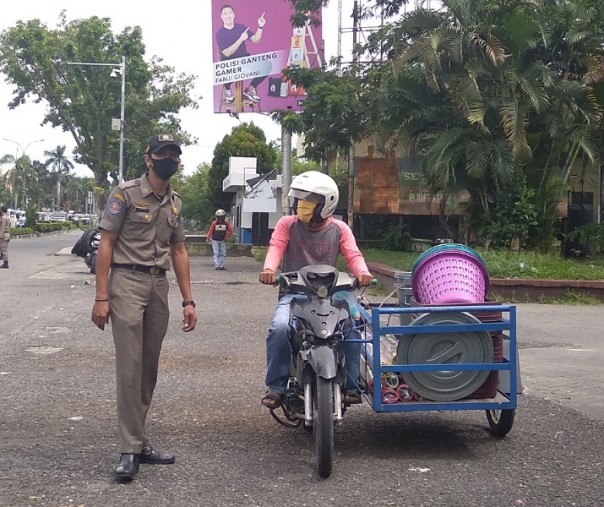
(58, 216)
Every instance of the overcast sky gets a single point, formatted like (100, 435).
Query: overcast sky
(178, 31)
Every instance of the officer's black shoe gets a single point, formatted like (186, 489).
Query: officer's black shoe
(153, 457)
(128, 466)
(4, 265)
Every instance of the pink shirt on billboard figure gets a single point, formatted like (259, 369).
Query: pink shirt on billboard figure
(240, 70)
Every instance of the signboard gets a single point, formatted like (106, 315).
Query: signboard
(260, 199)
(253, 41)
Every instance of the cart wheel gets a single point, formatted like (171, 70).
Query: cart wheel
(323, 426)
(501, 421)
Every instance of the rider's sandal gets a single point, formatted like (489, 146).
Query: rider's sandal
(352, 398)
(272, 400)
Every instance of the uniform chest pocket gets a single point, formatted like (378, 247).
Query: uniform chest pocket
(141, 215)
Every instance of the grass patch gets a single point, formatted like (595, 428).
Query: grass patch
(570, 298)
(501, 264)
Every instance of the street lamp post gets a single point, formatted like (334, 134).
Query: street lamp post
(23, 151)
(121, 69)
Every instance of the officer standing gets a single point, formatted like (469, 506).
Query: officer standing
(141, 230)
(4, 236)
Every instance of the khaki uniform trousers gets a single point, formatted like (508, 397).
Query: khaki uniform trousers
(139, 319)
(4, 249)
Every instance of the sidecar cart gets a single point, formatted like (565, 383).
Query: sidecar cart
(451, 357)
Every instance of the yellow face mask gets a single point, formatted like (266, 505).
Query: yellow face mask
(305, 210)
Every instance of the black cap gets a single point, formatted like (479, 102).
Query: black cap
(161, 141)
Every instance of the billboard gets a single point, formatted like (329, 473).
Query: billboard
(252, 42)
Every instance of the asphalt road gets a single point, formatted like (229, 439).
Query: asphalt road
(57, 409)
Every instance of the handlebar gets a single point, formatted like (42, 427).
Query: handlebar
(281, 277)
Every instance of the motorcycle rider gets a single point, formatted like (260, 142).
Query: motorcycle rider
(311, 236)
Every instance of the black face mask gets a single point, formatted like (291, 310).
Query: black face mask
(165, 168)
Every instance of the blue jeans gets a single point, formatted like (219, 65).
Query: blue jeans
(278, 349)
(219, 249)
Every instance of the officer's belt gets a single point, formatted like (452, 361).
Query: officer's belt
(152, 270)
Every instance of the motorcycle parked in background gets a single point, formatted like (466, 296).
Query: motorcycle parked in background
(87, 247)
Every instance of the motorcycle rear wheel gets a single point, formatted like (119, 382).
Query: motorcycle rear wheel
(323, 426)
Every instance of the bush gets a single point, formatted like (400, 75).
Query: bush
(590, 235)
(30, 216)
(49, 226)
(21, 231)
(396, 237)
(512, 217)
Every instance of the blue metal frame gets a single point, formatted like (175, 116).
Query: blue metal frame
(509, 364)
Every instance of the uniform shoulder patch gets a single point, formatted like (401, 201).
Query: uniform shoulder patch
(114, 206)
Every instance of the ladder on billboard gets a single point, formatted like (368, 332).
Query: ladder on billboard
(299, 53)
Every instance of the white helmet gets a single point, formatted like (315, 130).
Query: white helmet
(220, 213)
(319, 185)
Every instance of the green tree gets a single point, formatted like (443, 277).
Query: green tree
(194, 192)
(19, 177)
(82, 100)
(334, 115)
(61, 166)
(245, 140)
(483, 93)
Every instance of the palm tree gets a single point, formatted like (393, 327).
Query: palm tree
(20, 177)
(61, 165)
(487, 91)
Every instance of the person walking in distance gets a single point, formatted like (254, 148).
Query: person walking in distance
(4, 236)
(141, 231)
(220, 230)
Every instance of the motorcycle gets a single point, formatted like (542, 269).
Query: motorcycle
(323, 319)
(87, 247)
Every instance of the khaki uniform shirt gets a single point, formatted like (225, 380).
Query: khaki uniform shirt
(145, 225)
(4, 227)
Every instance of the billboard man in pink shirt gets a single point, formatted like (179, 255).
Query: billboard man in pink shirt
(311, 236)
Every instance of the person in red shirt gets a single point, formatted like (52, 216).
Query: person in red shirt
(311, 236)
(220, 230)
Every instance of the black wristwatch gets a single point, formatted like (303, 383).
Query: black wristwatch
(188, 303)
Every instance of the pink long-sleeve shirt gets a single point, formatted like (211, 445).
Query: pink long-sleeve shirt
(298, 246)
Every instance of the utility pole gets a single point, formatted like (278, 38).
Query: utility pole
(355, 26)
(286, 168)
(122, 114)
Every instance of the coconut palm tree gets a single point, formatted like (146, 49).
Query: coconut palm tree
(60, 164)
(20, 177)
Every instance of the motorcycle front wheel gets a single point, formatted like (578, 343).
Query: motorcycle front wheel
(323, 426)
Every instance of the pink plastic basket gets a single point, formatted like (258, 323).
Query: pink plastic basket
(450, 277)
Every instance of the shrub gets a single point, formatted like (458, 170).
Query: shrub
(396, 237)
(48, 226)
(21, 231)
(30, 216)
(590, 235)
